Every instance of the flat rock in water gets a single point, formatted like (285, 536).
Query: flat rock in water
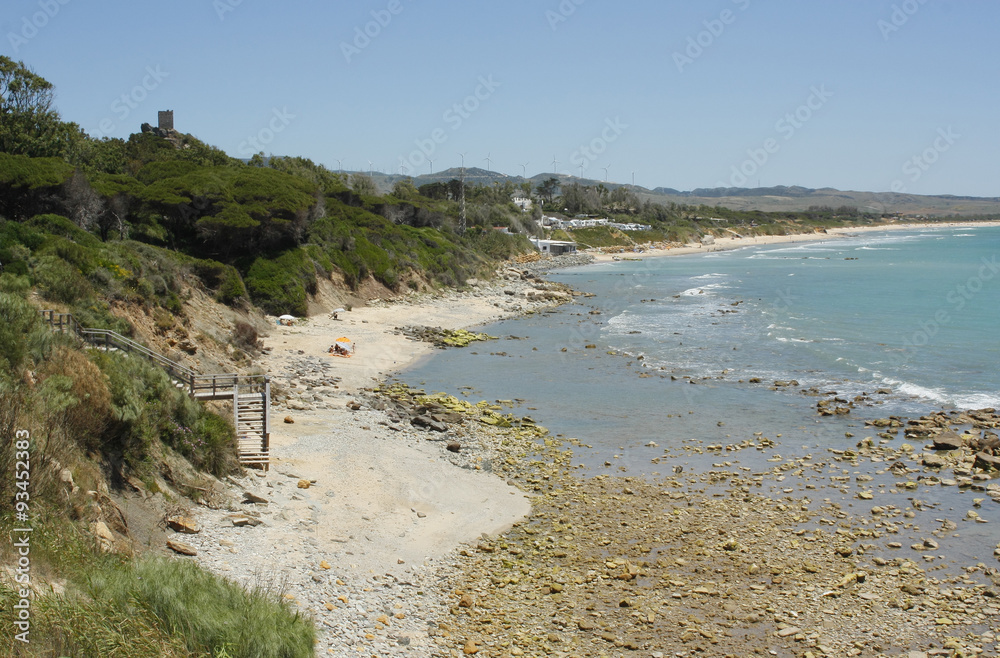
(987, 462)
(948, 440)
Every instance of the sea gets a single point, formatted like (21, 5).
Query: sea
(665, 354)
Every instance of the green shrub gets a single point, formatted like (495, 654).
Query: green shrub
(18, 318)
(231, 289)
(60, 281)
(280, 285)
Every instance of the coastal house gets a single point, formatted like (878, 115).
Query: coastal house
(522, 201)
(554, 247)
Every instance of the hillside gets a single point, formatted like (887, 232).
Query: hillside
(765, 199)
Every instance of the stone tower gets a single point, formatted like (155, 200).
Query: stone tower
(166, 119)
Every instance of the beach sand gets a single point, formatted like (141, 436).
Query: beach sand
(725, 244)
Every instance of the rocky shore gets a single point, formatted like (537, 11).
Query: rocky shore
(820, 555)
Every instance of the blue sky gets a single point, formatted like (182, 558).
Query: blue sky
(852, 94)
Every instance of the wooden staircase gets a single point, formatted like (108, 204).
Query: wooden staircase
(250, 394)
(252, 425)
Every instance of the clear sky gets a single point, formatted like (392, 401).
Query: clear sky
(854, 94)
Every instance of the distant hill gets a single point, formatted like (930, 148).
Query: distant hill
(767, 199)
(782, 198)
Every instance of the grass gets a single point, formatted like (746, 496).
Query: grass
(211, 614)
(156, 607)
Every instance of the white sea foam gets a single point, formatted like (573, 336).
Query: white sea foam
(962, 400)
(703, 290)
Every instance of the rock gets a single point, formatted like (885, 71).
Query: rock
(66, 477)
(289, 420)
(105, 538)
(466, 601)
(242, 521)
(250, 497)
(429, 423)
(948, 440)
(304, 484)
(183, 525)
(181, 547)
(470, 648)
(933, 461)
(987, 462)
(454, 446)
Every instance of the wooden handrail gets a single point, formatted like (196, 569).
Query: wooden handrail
(195, 382)
(216, 385)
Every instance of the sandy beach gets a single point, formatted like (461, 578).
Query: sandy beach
(360, 505)
(727, 243)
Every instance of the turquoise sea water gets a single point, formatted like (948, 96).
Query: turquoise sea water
(917, 313)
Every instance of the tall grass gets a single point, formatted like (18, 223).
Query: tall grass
(211, 614)
(158, 607)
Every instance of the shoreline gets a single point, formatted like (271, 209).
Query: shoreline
(728, 244)
(361, 507)
(413, 536)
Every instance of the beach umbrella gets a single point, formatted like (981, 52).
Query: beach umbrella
(338, 310)
(286, 317)
(345, 344)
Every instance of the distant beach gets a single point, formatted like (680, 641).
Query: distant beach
(726, 243)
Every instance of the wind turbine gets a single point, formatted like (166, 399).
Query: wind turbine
(606, 172)
(370, 163)
(555, 163)
(524, 172)
(488, 161)
(581, 171)
(431, 168)
(340, 165)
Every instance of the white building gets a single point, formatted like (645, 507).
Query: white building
(522, 201)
